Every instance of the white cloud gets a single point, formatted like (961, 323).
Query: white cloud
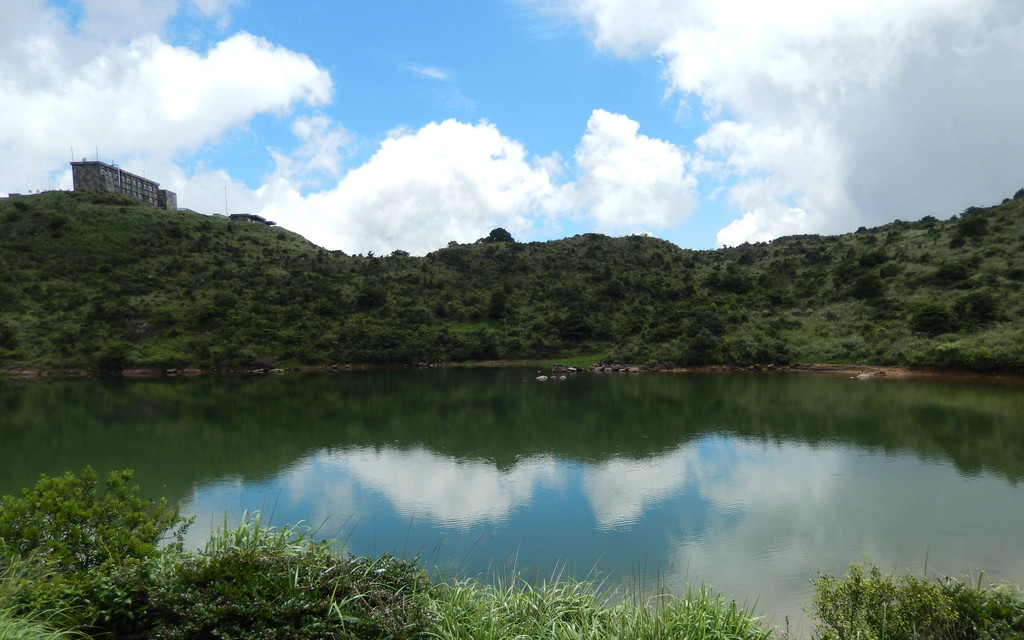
(124, 19)
(213, 7)
(433, 73)
(323, 148)
(628, 181)
(446, 181)
(457, 181)
(142, 102)
(855, 111)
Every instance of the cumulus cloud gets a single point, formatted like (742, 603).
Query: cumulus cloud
(629, 181)
(457, 181)
(849, 112)
(106, 80)
(143, 100)
(445, 181)
(324, 146)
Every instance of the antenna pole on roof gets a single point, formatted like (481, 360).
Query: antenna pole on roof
(227, 211)
(97, 154)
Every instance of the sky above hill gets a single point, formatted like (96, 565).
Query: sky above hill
(406, 124)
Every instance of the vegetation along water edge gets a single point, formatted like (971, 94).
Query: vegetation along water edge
(96, 282)
(87, 557)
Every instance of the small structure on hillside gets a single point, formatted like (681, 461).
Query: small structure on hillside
(100, 176)
(251, 217)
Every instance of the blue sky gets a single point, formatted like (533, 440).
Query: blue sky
(401, 124)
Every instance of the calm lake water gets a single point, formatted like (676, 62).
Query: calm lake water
(749, 483)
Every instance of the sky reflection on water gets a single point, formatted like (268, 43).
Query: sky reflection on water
(754, 518)
(751, 484)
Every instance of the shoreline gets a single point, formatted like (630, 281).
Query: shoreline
(854, 371)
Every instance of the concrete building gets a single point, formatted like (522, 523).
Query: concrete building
(251, 217)
(100, 176)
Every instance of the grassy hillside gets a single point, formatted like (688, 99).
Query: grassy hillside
(100, 281)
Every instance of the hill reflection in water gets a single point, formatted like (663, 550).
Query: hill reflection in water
(752, 484)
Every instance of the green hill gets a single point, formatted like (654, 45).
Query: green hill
(95, 280)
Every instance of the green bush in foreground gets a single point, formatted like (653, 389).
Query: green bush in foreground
(77, 527)
(67, 535)
(871, 605)
(260, 582)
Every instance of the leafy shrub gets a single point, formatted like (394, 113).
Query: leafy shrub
(74, 526)
(872, 605)
(497, 235)
(867, 286)
(8, 336)
(115, 356)
(971, 225)
(976, 308)
(264, 582)
(932, 319)
(873, 258)
(67, 537)
(950, 273)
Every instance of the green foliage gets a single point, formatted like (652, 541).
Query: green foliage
(75, 526)
(932, 320)
(116, 355)
(8, 337)
(867, 286)
(972, 224)
(17, 627)
(66, 536)
(34, 622)
(95, 281)
(871, 605)
(497, 235)
(563, 610)
(950, 273)
(261, 582)
(269, 593)
(264, 582)
(976, 308)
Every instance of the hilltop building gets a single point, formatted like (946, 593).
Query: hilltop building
(100, 176)
(250, 217)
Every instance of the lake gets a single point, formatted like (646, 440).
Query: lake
(751, 483)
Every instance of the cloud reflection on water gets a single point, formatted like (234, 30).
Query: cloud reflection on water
(754, 518)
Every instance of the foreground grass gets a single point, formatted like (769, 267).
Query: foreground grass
(254, 581)
(570, 610)
(14, 627)
(32, 623)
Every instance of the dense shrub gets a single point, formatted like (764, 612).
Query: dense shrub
(932, 319)
(871, 605)
(259, 582)
(76, 526)
(976, 308)
(867, 286)
(67, 536)
(950, 273)
(972, 224)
